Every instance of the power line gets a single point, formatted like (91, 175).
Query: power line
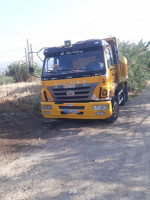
(11, 50)
(11, 31)
(79, 30)
(74, 31)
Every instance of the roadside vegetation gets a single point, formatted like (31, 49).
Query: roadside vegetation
(4, 80)
(23, 96)
(138, 56)
(19, 72)
(19, 89)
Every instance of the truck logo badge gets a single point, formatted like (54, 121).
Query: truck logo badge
(104, 92)
(69, 86)
(70, 93)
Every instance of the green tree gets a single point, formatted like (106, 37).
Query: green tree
(138, 56)
(20, 71)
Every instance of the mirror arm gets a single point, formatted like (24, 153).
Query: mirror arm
(31, 69)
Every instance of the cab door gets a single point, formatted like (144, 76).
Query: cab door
(111, 66)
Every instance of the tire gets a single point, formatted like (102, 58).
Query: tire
(125, 95)
(126, 92)
(115, 112)
(124, 98)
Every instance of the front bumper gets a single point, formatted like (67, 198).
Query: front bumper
(77, 110)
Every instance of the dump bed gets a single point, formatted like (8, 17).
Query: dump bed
(122, 68)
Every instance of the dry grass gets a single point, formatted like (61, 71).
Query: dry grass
(22, 96)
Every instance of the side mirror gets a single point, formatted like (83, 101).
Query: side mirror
(31, 70)
(115, 54)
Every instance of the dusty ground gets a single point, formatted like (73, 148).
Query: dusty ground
(72, 159)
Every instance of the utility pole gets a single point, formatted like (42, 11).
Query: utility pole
(31, 54)
(26, 57)
(28, 53)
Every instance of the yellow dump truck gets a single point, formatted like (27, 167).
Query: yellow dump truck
(85, 80)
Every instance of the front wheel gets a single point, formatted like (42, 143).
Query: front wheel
(115, 112)
(125, 95)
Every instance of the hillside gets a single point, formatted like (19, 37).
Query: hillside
(22, 96)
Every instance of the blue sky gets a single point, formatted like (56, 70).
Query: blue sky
(50, 22)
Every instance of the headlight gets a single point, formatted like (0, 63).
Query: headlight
(46, 107)
(101, 107)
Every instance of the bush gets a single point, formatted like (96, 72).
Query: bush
(138, 77)
(138, 56)
(20, 71)
(4, 80)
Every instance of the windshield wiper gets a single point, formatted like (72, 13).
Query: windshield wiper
(64, 70)
(90, 69)
(50, 71)
(57, 71)
(75, 70)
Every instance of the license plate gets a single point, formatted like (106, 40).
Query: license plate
(70, 111)
(73, 111)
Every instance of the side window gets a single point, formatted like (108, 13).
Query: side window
(51, 64)
(109, 57)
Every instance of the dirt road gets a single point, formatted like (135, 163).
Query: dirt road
(76, 160)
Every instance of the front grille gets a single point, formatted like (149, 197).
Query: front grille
(80, 92)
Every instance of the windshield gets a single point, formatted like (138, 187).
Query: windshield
(73, 62)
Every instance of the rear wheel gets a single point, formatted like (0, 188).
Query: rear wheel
(126, 91)
(115, 112)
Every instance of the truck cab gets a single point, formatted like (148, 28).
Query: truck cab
(85, 80)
